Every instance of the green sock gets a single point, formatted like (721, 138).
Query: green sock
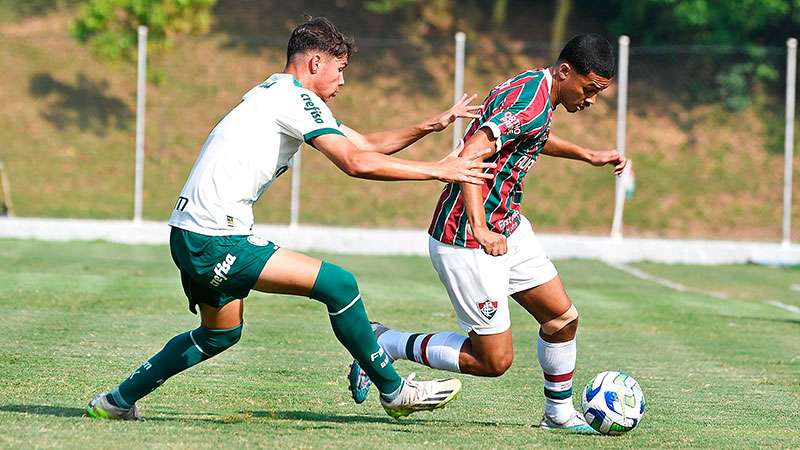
(337, 288)
(181, 352)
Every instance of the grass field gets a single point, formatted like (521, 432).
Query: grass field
(79, 316)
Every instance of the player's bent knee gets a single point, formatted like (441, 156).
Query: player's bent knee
(561, 322)
(335, 287)
(213, 342)
(498, 365)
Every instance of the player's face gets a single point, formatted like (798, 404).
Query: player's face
(330, 76)
(577, 91)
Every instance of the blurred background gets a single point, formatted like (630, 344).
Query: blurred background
(705, 122)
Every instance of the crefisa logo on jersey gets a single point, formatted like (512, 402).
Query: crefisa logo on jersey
(221, 270)
(312, 109)
(488, 308)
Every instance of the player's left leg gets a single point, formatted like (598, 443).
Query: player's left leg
(220, 329)
(556, 349)
(534, 283)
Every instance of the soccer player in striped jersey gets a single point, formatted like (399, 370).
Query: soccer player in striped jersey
(221, 261)
(484, 249)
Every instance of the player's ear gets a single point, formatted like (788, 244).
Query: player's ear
(313, 62)
(564, 69)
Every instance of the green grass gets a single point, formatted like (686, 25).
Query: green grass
(78, 317)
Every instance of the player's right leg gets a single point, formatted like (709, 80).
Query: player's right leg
(477, 285)
(293, 273)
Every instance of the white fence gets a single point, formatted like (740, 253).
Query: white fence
(415, 242)
(459, 60)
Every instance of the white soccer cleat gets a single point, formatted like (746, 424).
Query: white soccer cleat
(100, 408)
(422, 396)
(575, 424)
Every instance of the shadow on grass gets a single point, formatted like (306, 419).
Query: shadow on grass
(86, 104)
(323, 417)
(763, 319)
(312, 416)
(44, 410)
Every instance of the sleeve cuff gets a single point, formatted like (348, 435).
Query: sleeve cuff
(319, 132)
(495, 133)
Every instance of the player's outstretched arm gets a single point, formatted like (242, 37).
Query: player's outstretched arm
(563, 148)
(492, 243)
(377, 166)
(392, 141)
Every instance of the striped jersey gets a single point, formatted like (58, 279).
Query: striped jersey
(518, 114)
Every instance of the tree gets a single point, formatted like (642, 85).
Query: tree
(110, 26)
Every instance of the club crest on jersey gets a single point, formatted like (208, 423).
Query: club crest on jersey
(488, 308)
(257, 240)
(312, 109)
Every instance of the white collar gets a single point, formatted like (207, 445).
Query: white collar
(549, 78)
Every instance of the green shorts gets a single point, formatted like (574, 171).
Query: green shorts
(218, 269)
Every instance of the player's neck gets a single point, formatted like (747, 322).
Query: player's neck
(299, 74)
(554, 89)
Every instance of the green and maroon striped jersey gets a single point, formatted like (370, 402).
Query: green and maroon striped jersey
(518, 113)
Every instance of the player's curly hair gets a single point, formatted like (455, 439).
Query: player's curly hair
(588, 53)
(319, 33)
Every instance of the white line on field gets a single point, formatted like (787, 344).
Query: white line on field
(795, 287)
(664, 282)
(642, 275)
(790, 308)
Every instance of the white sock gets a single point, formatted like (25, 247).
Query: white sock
(558, 363)
(437, 350)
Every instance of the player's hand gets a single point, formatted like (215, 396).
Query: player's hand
(462, 108)
(494, 244)
(613, 157)
(465, 169)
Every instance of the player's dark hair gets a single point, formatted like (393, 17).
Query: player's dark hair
(319, 34)
(588, 53)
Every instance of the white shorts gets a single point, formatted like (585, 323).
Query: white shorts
(479, 284)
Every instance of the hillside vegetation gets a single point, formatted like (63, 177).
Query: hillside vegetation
(67, 127)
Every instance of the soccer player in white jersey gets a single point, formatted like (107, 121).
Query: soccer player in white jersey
(484, 249)
(220, 260)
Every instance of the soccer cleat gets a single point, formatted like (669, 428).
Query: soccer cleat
(358, 381)
(100, 408)
(575, 424)
(422, 396)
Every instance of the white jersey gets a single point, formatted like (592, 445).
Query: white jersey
(250, 147)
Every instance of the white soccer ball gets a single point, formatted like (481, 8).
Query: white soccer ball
(613, 403)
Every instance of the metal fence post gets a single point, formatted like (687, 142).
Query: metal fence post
(788, 145)
(141, 86)
(622, 106)
(458, 85)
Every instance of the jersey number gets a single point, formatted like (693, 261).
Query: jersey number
(180, 205)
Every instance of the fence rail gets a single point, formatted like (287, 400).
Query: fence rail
(704, 127)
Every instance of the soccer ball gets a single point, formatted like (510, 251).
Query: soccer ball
(613, 403)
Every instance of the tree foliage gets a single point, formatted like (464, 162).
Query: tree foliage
(704, 22)
(110, 26)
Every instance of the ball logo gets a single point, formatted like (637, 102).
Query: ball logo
(488, 308)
